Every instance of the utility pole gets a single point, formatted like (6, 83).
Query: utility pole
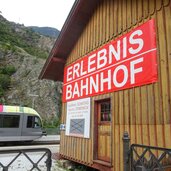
(33, 98)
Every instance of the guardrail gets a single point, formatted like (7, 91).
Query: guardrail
(25, 159)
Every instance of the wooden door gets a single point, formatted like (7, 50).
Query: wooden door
(104, 131)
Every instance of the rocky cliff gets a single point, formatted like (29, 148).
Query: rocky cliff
(27, 51)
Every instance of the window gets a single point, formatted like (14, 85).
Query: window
(33, 122)
(37, 122)
(105, 111)
(9, 121)
(30, 121)
(1, 119)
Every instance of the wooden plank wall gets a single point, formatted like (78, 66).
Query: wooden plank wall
(145, 112)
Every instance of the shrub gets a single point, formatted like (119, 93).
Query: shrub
(4, 81)
(51, 123)
(1, 92)
(8, 70)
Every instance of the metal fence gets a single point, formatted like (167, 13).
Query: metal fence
(26, 160)
(148, 158)
(145, 158)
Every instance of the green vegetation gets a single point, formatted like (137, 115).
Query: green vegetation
(72, 166)
(51, 122)
(51, 125)
(13, 35)
(8, 70)
(5, 80)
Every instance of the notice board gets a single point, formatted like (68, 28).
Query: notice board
(78, 118)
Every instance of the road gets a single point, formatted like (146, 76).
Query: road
(49, 138)
(54, 148)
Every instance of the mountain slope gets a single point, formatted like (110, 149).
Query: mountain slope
(46, 31)
(27, 51)
(23, 37)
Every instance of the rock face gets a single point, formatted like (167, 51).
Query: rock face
(25, 88)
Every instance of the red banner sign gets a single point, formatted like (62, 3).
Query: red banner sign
(126, 62)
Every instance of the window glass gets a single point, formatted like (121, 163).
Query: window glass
(105, 112)
(37, 122)
(1, 118)
(30, 121)
(11, 121)
(33, 122)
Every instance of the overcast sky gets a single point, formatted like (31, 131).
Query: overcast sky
(51, 13)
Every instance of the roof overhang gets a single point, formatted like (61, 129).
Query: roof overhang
(74, 25)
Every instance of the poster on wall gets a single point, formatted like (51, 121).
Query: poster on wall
(126, 62)
(78, 118)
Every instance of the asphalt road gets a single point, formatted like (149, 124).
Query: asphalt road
(54, 148)
(49, 138)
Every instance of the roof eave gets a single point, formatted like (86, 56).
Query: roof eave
(71, 30)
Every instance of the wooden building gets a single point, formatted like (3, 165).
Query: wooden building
(114, 57)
